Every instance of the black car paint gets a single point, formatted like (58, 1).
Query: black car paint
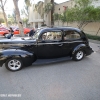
(22, 49)
(28, 50)
(25, 56)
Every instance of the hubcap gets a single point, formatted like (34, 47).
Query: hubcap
(79, 55)
(14, 64)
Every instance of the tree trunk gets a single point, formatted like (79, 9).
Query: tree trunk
(18, 18)
(4, 14)
(98, 31)
(52, 11)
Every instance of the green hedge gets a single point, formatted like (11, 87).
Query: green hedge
(94, 37)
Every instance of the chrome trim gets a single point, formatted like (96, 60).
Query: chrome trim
(18, 44)
(58, 42)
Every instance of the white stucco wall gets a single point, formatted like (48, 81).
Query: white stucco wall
(90, 28)
(32, 14)
(34, 17)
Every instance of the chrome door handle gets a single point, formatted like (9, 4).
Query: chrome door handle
(60, 44)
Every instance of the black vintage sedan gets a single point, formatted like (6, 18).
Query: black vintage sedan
(47, 43)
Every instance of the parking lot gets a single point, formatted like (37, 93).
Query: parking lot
(67, 80)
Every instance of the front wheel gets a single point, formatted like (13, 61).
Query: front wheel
(14, 64)
(79, 55)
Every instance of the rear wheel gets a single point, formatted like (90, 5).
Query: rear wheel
(14, 64)
(79, 55)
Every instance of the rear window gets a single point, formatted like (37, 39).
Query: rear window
(71, 35)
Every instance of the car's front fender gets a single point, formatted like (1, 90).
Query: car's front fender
(26, 56)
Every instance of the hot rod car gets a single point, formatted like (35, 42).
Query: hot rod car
(47, 43)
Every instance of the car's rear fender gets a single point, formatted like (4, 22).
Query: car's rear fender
(26, 56)
(79, 47)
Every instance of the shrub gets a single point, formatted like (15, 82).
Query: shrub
(94, 37)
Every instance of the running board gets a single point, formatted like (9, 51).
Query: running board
(48, 61)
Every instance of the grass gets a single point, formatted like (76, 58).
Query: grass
(93, 37)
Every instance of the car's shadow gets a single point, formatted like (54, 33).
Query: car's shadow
(60, 61)
(43, 62)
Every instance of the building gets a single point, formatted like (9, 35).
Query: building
(91, 28)
(37, 17)
(59, 8)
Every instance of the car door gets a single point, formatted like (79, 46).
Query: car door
(71, 40)
(50, 44)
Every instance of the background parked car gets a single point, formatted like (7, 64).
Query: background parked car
(3, 31)
(16, 30)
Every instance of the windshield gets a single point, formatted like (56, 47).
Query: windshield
(35, 36)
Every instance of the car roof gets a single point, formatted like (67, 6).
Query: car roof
(58, 28)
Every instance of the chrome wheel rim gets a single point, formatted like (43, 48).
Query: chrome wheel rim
(79, 55)
(14, 64)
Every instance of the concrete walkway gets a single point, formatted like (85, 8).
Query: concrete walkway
(94, 41)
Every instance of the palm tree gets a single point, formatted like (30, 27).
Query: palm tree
(18, 17)
(49, 7)
(52, 11)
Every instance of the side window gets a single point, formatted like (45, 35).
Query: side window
(53, 36)
(71, 35)
(44, 35)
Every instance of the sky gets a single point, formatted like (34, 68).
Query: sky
(9, 5)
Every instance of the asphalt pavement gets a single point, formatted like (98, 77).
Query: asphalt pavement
(66, 80)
